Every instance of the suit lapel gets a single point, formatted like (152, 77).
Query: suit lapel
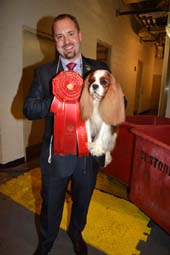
(60, 67)
(86, 67)
(55, 68)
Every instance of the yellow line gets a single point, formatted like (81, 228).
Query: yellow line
(114, 225)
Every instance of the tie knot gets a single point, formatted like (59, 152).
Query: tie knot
(71, 66)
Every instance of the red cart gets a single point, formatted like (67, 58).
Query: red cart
(150, 183)
(122, 163)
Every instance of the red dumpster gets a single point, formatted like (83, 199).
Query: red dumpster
(150, 182)
(121, 165)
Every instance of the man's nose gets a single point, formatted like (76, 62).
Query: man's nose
(66, 39)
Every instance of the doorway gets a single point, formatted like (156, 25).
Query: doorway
(103, 52)
(138, 87)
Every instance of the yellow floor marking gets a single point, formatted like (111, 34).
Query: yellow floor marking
(114, 225)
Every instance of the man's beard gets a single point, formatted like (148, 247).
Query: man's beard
(70, 54)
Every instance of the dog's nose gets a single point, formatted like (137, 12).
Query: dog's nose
(95, 86)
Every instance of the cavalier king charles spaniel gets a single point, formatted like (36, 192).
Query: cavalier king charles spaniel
(102, 107)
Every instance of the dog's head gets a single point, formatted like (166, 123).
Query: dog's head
(99, 82)
(100, 85)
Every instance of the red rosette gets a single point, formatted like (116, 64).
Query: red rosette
(69, 129)
(67, 86)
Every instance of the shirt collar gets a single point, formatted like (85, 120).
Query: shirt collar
(78, 63)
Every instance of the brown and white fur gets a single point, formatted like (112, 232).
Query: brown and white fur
(102, 107)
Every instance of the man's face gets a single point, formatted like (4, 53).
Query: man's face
(67, 38)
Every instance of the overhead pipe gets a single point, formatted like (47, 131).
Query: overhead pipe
(150, 10)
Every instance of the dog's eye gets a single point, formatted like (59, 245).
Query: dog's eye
(91, 80)
(104, 82)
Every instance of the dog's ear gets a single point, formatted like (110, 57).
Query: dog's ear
(86, 102)
(111, 108)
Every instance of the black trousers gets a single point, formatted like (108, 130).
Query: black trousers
(54, 189)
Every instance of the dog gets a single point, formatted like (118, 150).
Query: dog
(102, 108)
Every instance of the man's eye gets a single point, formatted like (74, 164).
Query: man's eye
(59, 37)
(71, 33)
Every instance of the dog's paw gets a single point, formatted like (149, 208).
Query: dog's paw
(108, 158)
(96, 149)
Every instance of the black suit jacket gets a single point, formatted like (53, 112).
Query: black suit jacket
(37, 106)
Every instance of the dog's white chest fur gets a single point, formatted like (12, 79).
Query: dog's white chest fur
(100, 138)
(95, 120)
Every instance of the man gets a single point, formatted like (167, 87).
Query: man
(58, 170)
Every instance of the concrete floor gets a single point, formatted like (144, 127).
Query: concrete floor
(18, 229)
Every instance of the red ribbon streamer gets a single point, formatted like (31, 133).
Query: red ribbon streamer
(69, 129)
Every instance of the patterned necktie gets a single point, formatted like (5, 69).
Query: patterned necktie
(71, 66)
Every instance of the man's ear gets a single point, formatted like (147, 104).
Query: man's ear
(80, 36)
